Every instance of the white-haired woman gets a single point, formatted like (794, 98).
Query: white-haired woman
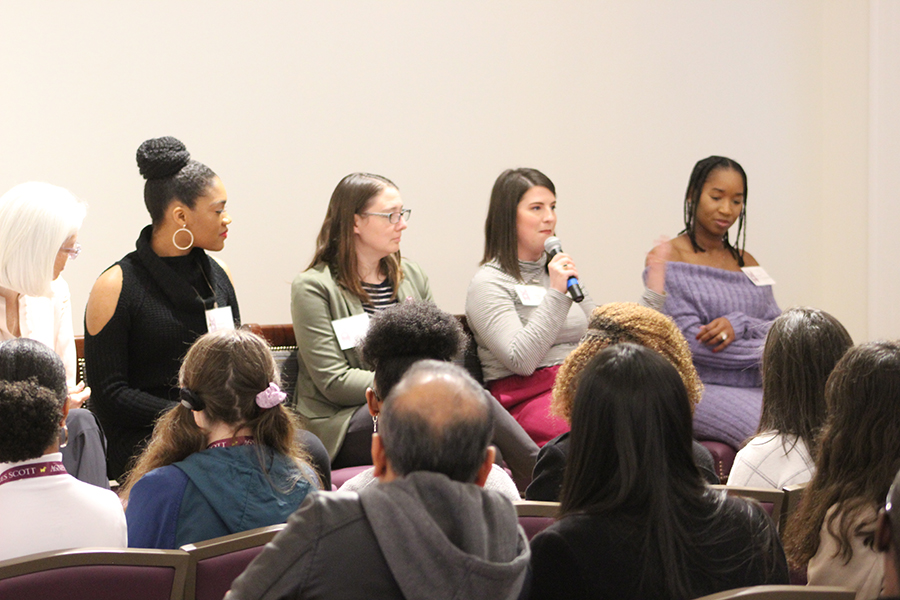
(39, 225)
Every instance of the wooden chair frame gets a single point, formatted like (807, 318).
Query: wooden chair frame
(784, 592)
(536, 508)
(793, 495)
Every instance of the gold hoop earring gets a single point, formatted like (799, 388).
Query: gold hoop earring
(186, 230)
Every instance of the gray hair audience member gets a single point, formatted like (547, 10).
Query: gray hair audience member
(425, 531)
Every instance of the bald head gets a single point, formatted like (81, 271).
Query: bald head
(436, 419)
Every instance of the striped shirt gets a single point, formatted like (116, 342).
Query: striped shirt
(381, 296)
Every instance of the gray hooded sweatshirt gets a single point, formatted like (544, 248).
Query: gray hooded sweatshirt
(420, 537)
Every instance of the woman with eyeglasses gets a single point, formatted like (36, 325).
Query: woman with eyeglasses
(524, 322)
(356, 271)
(39, 226)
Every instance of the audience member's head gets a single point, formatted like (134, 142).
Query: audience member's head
(887, 540)
(228, 379)
(617, 323)
(23, 358)
(630, 460)
(32, 399)
(637, 394)
(802, 348)
(435, 419)
(39, 223)
(171, 175)
(402, 335)
(859, 450)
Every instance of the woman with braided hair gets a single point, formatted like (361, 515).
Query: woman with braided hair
(145, 310)
(719, 297)
(612, 324)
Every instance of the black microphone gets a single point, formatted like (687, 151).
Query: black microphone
(553, 247)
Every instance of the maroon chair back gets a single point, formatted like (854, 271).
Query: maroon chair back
(535, 525)
(772, 501)
(723, 457)
(534, 516)
(217, 563)
(96, 574)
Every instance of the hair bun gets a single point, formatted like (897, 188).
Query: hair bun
(162, 157)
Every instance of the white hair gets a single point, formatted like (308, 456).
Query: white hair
(35, 220)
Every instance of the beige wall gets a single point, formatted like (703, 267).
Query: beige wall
(615, 101)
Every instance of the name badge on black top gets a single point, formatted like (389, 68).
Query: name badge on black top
(219, 318)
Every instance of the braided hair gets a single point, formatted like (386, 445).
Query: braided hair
(702, 170)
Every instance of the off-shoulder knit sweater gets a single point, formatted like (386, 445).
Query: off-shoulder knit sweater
(132, 363)
(698, 294)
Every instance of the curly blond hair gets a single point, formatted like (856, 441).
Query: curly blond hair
(625, 322)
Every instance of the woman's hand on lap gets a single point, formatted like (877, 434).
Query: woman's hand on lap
(717, 334)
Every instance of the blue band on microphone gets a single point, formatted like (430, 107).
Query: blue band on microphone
(572, 281)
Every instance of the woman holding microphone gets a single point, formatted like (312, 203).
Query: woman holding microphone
(524, 322)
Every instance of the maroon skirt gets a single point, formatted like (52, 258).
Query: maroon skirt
(528, 400)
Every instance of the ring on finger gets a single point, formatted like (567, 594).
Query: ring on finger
(724, 337)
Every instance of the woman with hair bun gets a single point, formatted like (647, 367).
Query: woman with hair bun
(144, 311)
(226, 458)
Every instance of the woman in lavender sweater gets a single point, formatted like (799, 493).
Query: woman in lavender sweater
(723, 314)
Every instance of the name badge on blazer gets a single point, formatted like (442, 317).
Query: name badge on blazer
(530, 295)
(758, 276)
(219, 318)
(350, 330)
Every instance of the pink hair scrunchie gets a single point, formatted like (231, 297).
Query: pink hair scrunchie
(271, 396)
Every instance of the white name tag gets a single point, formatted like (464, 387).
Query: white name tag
(531, 295)
(219, 318)
(350, 330)
(758, 276)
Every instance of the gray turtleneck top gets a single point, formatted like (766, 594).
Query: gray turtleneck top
(514, 339)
